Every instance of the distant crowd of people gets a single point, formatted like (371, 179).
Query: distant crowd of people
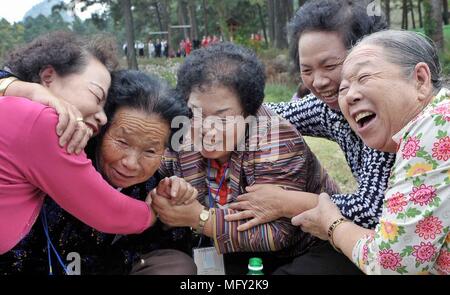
(160, 47)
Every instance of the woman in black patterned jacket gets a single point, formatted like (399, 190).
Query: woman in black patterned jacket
(139, 110)
(322, 32)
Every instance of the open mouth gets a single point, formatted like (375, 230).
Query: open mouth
(364, 118)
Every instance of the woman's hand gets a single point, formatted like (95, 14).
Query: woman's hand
(178, 190)
(317, 220)
(262, 204)
(175, 215)
(70, 130)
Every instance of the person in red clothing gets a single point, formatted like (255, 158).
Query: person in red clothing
(204, 42)
(188, 46)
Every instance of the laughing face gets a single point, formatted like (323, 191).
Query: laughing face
(321, 55)
(376, 97)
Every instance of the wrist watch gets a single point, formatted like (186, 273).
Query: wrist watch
(203, 217)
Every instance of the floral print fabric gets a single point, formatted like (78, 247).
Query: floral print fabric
(413, 234)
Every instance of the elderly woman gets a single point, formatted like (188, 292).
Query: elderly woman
(33, 165)
(127, 153)
(391, 95)
(222, 84)
(322, 32)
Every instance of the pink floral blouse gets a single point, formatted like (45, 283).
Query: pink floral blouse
(413, 235)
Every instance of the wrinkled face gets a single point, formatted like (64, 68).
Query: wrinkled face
(221, 110)
(132, 147)
(86, 91)
(321, 55)
(376, 98)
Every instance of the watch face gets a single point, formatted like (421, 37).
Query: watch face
(204, 215)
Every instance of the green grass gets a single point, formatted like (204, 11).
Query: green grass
(279, 92)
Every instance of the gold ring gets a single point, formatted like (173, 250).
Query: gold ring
(79, 119)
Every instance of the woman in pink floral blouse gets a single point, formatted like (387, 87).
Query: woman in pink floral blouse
(392, 97)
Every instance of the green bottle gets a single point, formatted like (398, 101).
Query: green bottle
(255, 266)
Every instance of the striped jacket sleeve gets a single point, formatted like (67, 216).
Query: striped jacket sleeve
(289, 169)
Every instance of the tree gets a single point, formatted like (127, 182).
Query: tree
(165, 5)
(419, 6)
(263, 23)
(281, 14)
(41, 24)
(433, 21)
(183, 17)
(411, 8)
(445, 14)
(405, 14)
(387, 11)
(129, 26)
(222, 17)
(193, 20)
(205, 17)
(271, 17)
(10, 36)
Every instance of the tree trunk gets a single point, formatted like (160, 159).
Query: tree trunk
(445, 14)
(419, 6)
(289, 9)
(166, 19)
(438, 34)
(129, 27)
(411, 7)
(221, 9)
(205, 16)
(433, 22)
(183, 17)
(405, 14)
(280, 24)
(271, 18)
(263, 24)
(387, 11)
(158, 16)
(193, 20)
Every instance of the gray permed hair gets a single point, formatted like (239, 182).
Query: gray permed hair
(406, 49)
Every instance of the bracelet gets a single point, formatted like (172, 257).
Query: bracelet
(4, 83)
(331, 231)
